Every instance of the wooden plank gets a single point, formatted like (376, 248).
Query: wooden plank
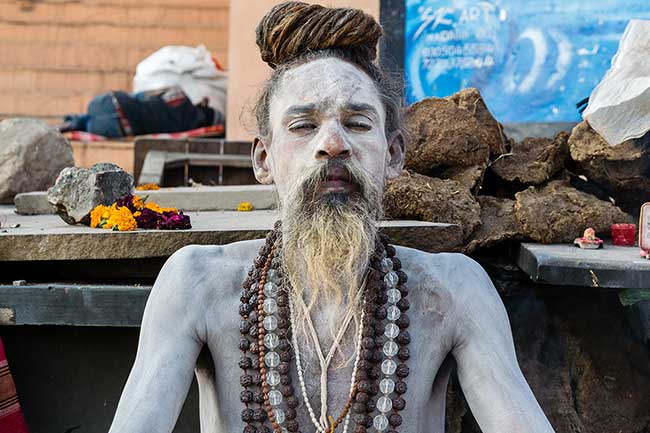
(47, 237)
(206, 159)
(73, 305)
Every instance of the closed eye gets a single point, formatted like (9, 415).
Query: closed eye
(302, 127)
(358, 126)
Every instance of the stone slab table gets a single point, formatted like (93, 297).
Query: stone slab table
(47, 237)
(567, 265)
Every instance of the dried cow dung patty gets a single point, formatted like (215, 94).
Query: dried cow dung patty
(560, 213)
(414, 196)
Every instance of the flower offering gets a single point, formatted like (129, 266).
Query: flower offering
(131, 211)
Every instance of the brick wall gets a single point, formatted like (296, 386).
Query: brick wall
(56, 54)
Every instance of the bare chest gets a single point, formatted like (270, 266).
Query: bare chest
(219, 379)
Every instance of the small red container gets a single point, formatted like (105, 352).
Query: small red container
(623, 234)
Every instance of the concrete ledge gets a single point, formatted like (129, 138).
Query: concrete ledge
(48, 238)
(214, 197)
(566, 265)
(185, 198)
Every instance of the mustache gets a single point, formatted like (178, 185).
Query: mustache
(336, 169)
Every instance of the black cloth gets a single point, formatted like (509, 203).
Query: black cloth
(171, 111)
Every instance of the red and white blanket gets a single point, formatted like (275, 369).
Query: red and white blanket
(206, 131)
(11, 417)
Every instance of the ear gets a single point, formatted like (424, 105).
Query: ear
(260, 156)
(396, 151)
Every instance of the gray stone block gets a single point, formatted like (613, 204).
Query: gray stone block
(33, 203)
(32, 154)
(78, 190)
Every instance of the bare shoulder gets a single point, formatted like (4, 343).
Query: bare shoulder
(197, 260)
(457, 282)
(197, 272)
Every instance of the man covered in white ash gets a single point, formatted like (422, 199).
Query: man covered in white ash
(325, 326)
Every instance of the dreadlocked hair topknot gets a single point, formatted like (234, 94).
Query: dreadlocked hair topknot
(293, 29)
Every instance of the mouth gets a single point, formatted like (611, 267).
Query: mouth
(338, 181)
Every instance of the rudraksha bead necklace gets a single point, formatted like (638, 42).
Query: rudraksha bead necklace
(378, 381)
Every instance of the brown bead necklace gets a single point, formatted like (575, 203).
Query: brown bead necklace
(378, 386)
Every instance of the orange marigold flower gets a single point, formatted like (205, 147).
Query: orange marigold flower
(147, 186)
(244, 207)
(98, 214)
(156, 208)
(137, 202)
(121, 219)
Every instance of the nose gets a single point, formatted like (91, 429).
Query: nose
(332, 144)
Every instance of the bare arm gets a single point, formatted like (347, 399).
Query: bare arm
(496, 390)
(167, 351)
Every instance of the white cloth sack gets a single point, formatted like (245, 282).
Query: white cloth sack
(190, 68)
(619, 107)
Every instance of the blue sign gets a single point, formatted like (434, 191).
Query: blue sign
(532, 60)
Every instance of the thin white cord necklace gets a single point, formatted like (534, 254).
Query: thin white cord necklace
(322, 424)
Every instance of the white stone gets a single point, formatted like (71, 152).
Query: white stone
(386, 264)
(270, 289)
(275, 397)
(272, 359)
(394, 296)
(391, 279)
(392, 330)
(387, 386)
(380, 422)
(272, 276)
(271, 341)
(384, 404)
(270, 306)
(270, 323)
(390, 348)
(393, 313)
(388, 367)
(279, 415)
(272, 377)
